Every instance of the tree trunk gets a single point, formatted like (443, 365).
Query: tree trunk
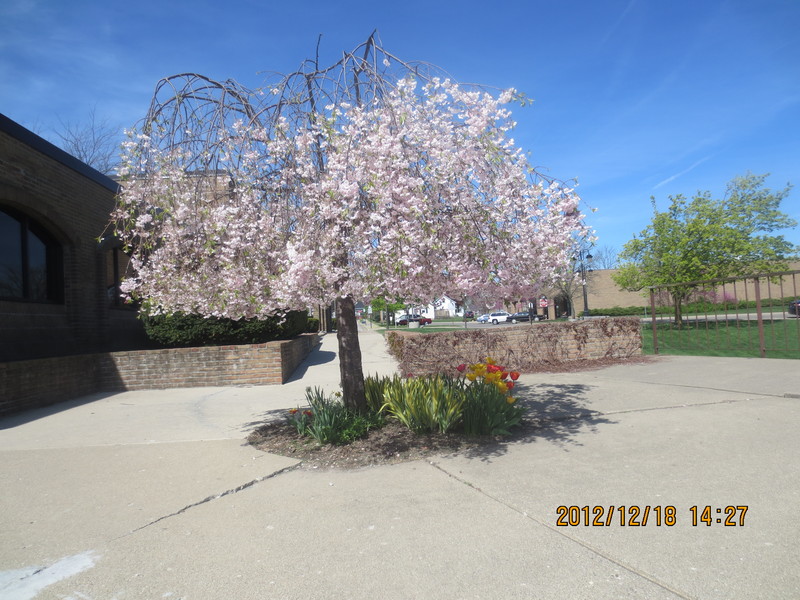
(350, 368)
(678, 300)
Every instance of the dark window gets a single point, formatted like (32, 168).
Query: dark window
(116, 268)
(31, 263)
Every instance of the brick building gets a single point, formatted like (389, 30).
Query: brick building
(57, 282)
(602, 292)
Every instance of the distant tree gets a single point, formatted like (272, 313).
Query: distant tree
(580, 272)
(369, 178)
(95, 142)
(383, 308)
(604, 257)
(704, 238)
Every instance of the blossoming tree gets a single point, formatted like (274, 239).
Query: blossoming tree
(369, 178)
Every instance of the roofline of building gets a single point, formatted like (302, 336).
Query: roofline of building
(39, 144)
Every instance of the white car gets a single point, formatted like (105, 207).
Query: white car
(498, 317)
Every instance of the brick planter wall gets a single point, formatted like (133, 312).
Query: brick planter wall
(525, 347)
(31, 383)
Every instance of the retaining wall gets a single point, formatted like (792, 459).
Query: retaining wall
(525, 347)
(41, 382)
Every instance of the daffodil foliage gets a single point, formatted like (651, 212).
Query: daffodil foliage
(405, 186)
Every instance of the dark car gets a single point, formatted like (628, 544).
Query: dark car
(794, 308)
(522, 317)
(469, 314)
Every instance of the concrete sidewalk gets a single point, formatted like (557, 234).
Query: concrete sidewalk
(155, 495)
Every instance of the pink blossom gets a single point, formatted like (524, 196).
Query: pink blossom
(423, 191)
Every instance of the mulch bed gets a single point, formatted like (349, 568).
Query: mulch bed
(394, 443)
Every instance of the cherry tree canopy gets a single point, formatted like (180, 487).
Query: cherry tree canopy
(370, 178)
(241, 203)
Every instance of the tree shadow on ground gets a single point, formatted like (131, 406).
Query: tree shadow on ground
(269, 416)
(557, 413)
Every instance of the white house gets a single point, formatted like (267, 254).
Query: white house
(442, 307)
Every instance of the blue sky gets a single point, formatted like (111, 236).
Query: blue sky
(634, 98)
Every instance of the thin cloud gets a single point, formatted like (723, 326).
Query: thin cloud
(618, 22)
(684, 172)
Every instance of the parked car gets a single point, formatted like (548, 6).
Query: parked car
(483, 319)
(523, 317)
(469, 314)
(406, 319)
(500, 316)
(794, 308)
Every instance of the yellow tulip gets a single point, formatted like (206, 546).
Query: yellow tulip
(511, 400)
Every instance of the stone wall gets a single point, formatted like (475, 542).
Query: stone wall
(41, 382)
(524, 347)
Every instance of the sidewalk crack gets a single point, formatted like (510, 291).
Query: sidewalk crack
(235, 490)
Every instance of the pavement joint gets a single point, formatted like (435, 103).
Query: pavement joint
(713, 389)
(560, 531)
(594, 414)
(672, 407)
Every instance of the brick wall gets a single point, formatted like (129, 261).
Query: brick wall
(41, 382)
(602, 292)
(525, 347)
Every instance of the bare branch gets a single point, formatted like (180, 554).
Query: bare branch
(95, 142)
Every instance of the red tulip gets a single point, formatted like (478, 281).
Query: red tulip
(510, 385)
(514, 375)
(461, 368)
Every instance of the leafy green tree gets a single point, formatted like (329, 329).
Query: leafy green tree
(383, 308)
(704, 238)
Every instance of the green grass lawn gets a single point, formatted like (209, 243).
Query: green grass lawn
(426, 329)
(725, 338)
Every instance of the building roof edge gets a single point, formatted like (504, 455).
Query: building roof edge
(50, 150)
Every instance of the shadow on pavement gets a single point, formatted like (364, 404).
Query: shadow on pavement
(556, 413)
(317, 357)
(32, 414)
(267, 417)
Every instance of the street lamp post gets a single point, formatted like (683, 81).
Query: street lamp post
(583, 257)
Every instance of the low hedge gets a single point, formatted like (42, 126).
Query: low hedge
(695, 307)
(181, 330)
